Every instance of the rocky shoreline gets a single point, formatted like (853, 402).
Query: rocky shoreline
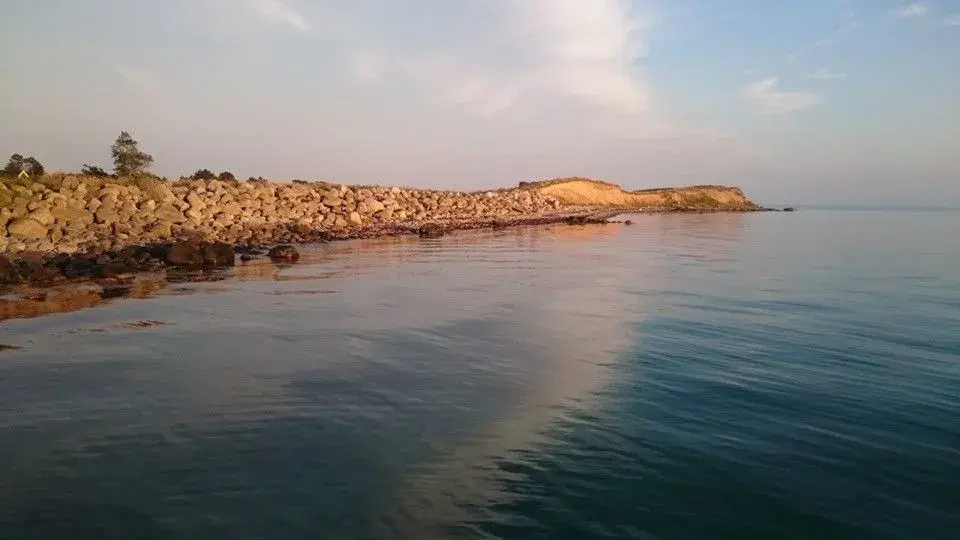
(65, 228)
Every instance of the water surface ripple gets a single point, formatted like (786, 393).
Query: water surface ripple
(690, 376)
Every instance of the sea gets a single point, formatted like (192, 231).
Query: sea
(687, 376)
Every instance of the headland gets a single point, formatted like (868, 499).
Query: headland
(68, 227)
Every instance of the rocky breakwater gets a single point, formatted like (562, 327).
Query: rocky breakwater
(73, 226)
(75, 214)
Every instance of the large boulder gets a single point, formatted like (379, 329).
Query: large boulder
(196, 253)
(284, 253)
(218, 254)
(186, 253)
(170, 214)
(76, 215)
(27, 228)
(41, 216)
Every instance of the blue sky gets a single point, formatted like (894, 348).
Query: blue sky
(797, 102)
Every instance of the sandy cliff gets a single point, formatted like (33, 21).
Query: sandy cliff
(583, 191)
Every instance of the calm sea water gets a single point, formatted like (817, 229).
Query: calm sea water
(692, 376)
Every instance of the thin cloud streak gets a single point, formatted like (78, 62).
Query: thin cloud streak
(825, 74)
(771, 101)
(279, 11)
(910, 11)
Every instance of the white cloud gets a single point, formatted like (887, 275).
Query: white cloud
(585, 49)
(365, 66)
(911, 10)
(825, 74)
(952, 20)
(279, 11)
(580, 50)
(765, 95)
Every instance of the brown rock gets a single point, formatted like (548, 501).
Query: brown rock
(42, 216)
(9, 274)
(218, 254)
(107, 215)
(68, 214)
(27, 228)
(170, 214)
(431, 230)
(187, 253)
(112, 269)
(284, 253)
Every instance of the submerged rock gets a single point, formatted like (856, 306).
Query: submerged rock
(584, 220)
(431, 230)
(284, 253)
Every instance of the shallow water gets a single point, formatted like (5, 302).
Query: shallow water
(690, 376)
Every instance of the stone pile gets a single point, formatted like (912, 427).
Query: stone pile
(84, 214)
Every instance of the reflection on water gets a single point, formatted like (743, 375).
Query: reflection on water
(690, 376)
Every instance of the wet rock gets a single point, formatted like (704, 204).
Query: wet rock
(584, 220)
(218, 254)
(431, 230)
(187, 253)
(9, 273)
(628, 222)
(33, 271)
(789, 209)
(113, 269)
(78, 266)
(284, 253)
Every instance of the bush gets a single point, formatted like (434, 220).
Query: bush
(203, 174)
(90, 170)
(227, 176)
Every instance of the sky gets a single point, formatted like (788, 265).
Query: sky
(822, 101)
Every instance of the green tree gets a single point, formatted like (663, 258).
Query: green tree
(18, 164)
(91, 170)
(128, 160)
(33, 167)
(227, 176)
(14, 166)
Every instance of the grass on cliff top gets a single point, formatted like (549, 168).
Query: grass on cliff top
(537, 184)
